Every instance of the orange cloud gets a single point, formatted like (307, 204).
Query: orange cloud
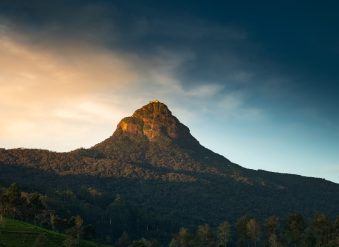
(28, 71)
(61, 95)
(50, 86)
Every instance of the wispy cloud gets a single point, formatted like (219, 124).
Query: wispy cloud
(56, 86)
(70, 89)
(49, 76)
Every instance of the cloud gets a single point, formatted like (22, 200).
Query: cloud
(66, 90)
(57, 86)
(67, 79)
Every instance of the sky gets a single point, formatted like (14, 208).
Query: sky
(256, 81)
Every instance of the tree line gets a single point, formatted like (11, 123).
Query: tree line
(293, 231)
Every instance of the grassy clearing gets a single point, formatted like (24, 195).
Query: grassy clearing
(14, 233)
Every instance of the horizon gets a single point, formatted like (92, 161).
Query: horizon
(250, 84)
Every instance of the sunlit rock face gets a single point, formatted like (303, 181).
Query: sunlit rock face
(131, 126)
(155, 121)
(153, 136)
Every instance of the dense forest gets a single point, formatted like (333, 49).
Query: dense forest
(293, 230)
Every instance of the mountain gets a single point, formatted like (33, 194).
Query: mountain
(159, 177)
(154, 138)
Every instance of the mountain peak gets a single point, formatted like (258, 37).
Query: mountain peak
(154, 108)
(153, 135)
(155, 121)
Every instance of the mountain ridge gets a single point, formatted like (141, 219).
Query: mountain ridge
(151, 137)
(152, 131)
(158, 166)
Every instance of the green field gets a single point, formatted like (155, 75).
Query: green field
(15, 233)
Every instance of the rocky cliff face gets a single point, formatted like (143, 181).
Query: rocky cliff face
(155, 122)
(152, 135)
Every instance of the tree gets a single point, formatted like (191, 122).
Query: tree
(224, 234)
(153, 243)
(204, 236)
(123, 241)
(78, 222)
(74, 233)
(11, 202)
(273, 241)
(322, 228)
(336, 225)
(144, 243)
(173, 243)
(294, 228)
(13, 193)
(335, 236)
(53, 218)
(139, 243)
(271, 226)
(182, 239)
(34, 207)
(241, 227)
(119, 216)
(253, 231)
(309, 238)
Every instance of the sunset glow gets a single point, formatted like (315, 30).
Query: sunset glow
(69, 74)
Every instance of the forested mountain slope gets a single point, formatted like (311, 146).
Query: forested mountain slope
(160, 178)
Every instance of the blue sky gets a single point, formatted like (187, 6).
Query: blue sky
(256, 81)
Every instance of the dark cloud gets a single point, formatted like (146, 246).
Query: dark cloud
(276, 51)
